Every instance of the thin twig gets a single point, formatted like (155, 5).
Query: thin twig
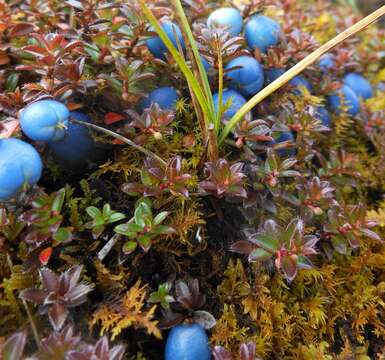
(108, 246)
(121, 138)
(30, 318)
(297, 69)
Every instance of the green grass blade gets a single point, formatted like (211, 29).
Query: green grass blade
(297, 69)
(220, 95)
(185, 24)
(193, 82)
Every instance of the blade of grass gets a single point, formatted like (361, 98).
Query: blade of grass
(297, 69)
(121, 138)
(202, 72)
(194, 84)
(220, 94)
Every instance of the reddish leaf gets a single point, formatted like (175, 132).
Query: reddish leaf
(57, 315)
(4, 58)
(45, 255)
(73, 106)
(220, 353)
(242, 247)
(112, 117)
(9, 128)
(21, 29)
(13, 348)
(35, 50)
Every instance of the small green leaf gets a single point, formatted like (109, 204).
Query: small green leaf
(106, 210)
(163, 229)
(259, 255)
(145, 177)
(129, 247)
(160, 217)
(58, 201)
(62, 235)
(154, 297)
(141, 212)
(289, 267)
(94, 212)
(116, 217)
(303, 262)
(97, 231)
(267, 242)
(11, 82)
(121, 229)
(145, 242)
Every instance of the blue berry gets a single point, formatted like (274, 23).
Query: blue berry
(44, 120)
(157, 46)
(262, 32)
(20, 165)
(359, 85)
(77, 147)
(326, 63)
(165, 97)
(228, 17)
(297, 81)
(237, 101)
(187, 342)
(248, 78)
(349, 99)
(273, 74)
(323, 115)
(284, 137)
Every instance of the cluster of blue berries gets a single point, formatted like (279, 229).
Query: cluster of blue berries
(246, 75)
(48, 121)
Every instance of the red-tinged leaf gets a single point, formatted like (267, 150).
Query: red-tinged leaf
(3, 217)
(48, 60)
(35, 49)
(73, 45)
(220, 353)
(45, 255)
(189, 141)
(57, 315)
(13, 348)
(289, 267)
(36, 296)
(371, 234)
(4, 58)
(242, 247)
(49, 279)
(55, 41)
(259, 255)
(205, 319)
(25, 67)
(21, 29)
(9, 128)
(247, 351)
(76, 4)
(117, 142)
(73, 106)
(112, 117)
